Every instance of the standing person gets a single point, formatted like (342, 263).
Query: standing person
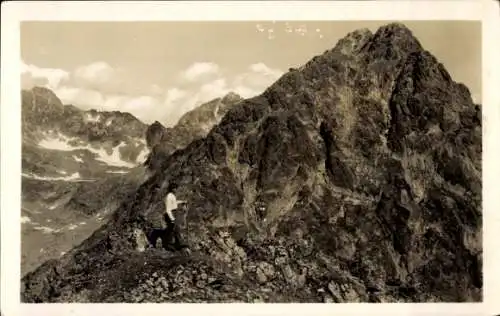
(172, 231)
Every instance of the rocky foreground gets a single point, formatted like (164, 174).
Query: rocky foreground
(354, 178)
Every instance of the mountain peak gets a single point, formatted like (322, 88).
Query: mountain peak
(231, 97)
(390, 37)
(42, 90)
(40, 106)
(394, 28)
(353, 41)
(47, 96)
(393, 41)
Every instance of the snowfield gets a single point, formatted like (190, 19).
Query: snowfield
(75, 177)
(64, 143)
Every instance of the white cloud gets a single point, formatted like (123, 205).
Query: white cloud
(178, 101)
(174, 94)
(261, 68)
(255, 80)
(84, 98)
(200, 70)
(247, 84)
(96, 73)
(143, 107)
(100, 86)
(99, 75)
(134, 104)
(32, 75)
(106, 79)
(214, 88)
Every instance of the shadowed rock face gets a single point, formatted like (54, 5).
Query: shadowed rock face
(355, 178)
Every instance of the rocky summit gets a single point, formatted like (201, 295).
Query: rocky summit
(353, 178)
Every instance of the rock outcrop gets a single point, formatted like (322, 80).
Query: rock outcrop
(354, 178)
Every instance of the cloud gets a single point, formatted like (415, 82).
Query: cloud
(98, 75)
(261, 68)
(84, 98)
(102, 87)
(32, 75)
(174, 94)
(254, 80)
(107, 79)
(178, 101)
(141, 106)
(200, 70)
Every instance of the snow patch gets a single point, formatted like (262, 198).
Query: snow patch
(142, 155)
(62, 143)
(109, 122)
(75, 177)
(82, 223)
(45, 229)
(117, 171)
(30, 211)
(91, 118)
(62, 253)
(72, 226)
(59, 143)
(216, 111)
(113, 159)
(78, 159)
(25, 219)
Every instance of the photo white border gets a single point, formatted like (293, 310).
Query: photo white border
(14, 12)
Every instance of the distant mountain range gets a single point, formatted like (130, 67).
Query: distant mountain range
(77, 166)
(353, 178)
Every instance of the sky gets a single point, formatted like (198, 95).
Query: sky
(161, 70)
